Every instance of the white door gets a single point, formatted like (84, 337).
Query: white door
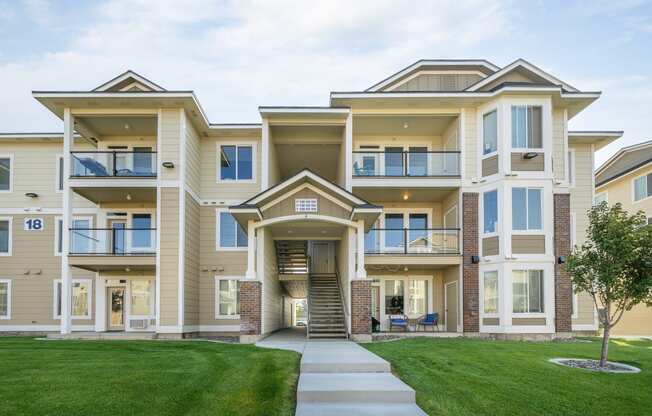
(321, 262)
(451, 306)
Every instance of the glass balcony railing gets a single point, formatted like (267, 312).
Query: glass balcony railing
(113, 241)
(406, 164)
(113, 164)
(412, 241)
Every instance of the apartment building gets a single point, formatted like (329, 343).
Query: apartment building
(627, 178)
(451, 187)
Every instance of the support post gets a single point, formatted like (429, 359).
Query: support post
(361, 272)
(251, 251)
(66, 273)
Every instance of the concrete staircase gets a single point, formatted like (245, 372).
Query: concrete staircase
(325, 306)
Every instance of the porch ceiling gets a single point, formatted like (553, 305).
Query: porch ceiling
(403, 125)
(116, 194)
(383, 194)
(114, 263)
(306, 230)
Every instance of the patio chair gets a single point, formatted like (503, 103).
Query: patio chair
(399, 321)
(429, 320)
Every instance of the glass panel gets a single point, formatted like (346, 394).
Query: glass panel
(519, 291)
(5, 174)
(371, 241)
(4, 299)
(142, 161)
(80, 293)
(81, 236)
(227, 230)
(418, 296)
(490, 133)
(245, 162)
(393, 161)
(534, 209)
(140, 297)
(640, 188)
(418, 234)
(393, 297)
(118, 234)
(242, 236)
(368, 166)
(649, 184)
(58, 299)
(534, 128)
(142, 235)
(490, 211)
(491, 292)
(535, 297)
(60, 184)
(394, 234)
(519, 209)
(227, 162)
(518, 127)
(4, 236)
(228, 297)
(418, 161)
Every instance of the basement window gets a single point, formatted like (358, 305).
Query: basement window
(305, 205)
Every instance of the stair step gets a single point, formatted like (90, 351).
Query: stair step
(339, 409)
(368, 388)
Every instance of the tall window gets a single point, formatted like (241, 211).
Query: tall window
(5, 299)
(142, 231)
(643, 187)
(394, 297)
(228, 298)
(5, 174)
(141, 297)
(526, 127)
(81, 236)
(527, 209)
(418, 299)
(489, 132)
(236, 162)
(5, 237)
(527, 291)
(81, 299)
(59, 173)
(230, 233)
(490, 292)
(490, 211)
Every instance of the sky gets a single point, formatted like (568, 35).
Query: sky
(238, 55)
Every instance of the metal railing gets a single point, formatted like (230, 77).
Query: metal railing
(407, 164)
(344, 304)
(308, 266)
(113, 241)
(113, 164)
(412, 241)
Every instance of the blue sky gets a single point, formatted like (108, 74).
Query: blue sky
(239, 55)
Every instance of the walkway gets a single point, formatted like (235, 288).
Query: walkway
(341, 378)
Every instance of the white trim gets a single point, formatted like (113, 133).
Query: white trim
(496, 231)
(218, 246)
(575, 297)
(619, 153)
(526, 65)
(301, 188)
(217, 279)
(117, 182)
(431, 72)
(182, 217)
(43, 328)
(584, 327)
(12, 168)
(315, 217)
(528, 230)
(463, 94)
(9, 293)
(573, 230)
(237, 144)
(484, 314)
(571, 176)
(408, 182)
(544, 286)
(157, 283)
(10, 231)
(303, 110)
(56, 299)
(218, 328)
(126, 75)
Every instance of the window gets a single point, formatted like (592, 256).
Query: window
(573, 230)
(643, 187)
(571, 168)
(490, 211)
(305, 205)
(490, 290)
(527, 291)
(81, 299)
(599, 198)
(5, 174)
(236, 162)
(5, 299)
(142, 231)
(230, 233)
(81, 237)
(141, 298)
(393, 297)
(227, 297)
(394, 161)
(526, 209)
(59, 173)
(5, 236)
(418, 299)
(490, 132)
(418, 161)
(526, 127)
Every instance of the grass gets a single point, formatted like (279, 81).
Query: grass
(40, 377)
(479, 377)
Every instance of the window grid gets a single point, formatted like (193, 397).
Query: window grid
(527, 292)
(527, 209)
(236, 162)
(305, 205)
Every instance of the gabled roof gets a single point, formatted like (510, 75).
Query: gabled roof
(525, 65)
(129, 81)
(623, 162)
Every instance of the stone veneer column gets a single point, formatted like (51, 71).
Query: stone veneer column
(250, 311)
(563, 286)
(361, 309)
(470, 271)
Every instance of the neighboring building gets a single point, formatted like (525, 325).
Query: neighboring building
(450, 187)
(627, 178)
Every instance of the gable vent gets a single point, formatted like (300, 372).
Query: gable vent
(305, 205)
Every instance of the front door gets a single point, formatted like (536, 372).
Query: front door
(451, 307)
(116, 308)
(321, 258)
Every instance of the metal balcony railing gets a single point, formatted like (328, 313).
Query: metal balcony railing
(113, 241)
(412, 241)
(138, 164)
(406, 164)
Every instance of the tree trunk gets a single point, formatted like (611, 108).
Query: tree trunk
(605, 346)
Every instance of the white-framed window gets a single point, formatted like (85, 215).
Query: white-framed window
(490, 132)
(642, 187)
(6, 173)
(574, 304)
(59, 178)
(599, 198)
(81, 240)
(6, 225)
(528, 292)
(490, 292)
(5, 299)
(81, 298)
(527, 130)
(227, 297)
(573, 230)
(141, 302)
(305, 205)
(237, 162)
(229, 234)
(527, 209)
(490, 212)
(571, 167)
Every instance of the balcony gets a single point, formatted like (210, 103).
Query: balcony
(410, 164)
(412, 246)
(120, 164)
(105, 249)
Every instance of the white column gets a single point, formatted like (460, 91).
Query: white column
(100, 303)
(66, 274)
(348, 160)
(264, 174)
(251, 251)
(360, 273)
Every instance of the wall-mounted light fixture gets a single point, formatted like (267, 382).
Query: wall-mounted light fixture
(475, 259)
(561, 259)
(530, 155)
(31, 195)
(168, 165)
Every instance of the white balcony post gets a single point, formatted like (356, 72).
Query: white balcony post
(348, 162)
(361, 272)
(251, 251)
(66, 274)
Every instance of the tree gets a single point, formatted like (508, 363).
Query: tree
(614, 265)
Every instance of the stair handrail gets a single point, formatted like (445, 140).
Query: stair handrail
(308, 297)
(344, 306)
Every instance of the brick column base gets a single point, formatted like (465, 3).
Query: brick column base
(250, 311)
(563, 285)
(361, 310)
(470, 271)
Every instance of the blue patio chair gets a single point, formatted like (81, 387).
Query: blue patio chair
(430, 319)
(400, 321)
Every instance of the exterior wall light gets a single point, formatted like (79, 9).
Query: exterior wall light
(561, 259)
(530, 155)
(475, 259)
(31, 195)
(168, 165)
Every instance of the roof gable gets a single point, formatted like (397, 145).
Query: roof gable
(519, 71)
(129, 81)
(624, 161)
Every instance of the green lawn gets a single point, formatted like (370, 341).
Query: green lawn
(476, 377)
(144, 377)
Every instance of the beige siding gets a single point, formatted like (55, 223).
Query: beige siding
(470, 143)
(170, 141)
(513, 76)
(169, 253)
(559, 143)
(528, 321)
(490, 321)
(490, 246)
(191, 272)
(272, 290)
(324, 206)
(490, 165)
(519, 163)
(638, 321)
(438, 82)
(193, 150)
(528, 244)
